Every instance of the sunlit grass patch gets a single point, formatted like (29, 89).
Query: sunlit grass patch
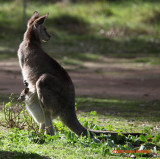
(70, 61)
(65, 144)
(103, 15)
(114, 29)
(147, 60)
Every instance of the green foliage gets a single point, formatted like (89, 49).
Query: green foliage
(16, 116)
(27, 138)
(143, 138)
(78, 30)
(93, 113)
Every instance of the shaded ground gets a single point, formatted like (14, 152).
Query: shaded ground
(111, 78)
(20, 155)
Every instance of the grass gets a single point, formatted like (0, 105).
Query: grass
(129, 29)
(26, 143)
(121, 108)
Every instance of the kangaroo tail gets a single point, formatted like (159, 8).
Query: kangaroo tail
(98, 132)
(69, 118)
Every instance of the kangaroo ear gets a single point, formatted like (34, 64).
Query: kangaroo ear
(33, 18)
(41, 19)
(35, 15)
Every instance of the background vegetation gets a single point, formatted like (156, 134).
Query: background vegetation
(93, 28)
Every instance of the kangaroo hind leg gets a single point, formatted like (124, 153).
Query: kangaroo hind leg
(48, 90)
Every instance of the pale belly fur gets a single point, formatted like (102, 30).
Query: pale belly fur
(34, 108)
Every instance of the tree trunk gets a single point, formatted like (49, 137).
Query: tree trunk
(24, 14)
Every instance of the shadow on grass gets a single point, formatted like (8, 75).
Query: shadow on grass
(20, 155)
(121, 108)
(104, 46)
(70, 24)
(4, 98)
(135, 1)
(154, 19)
(75, 35)
(76, 47)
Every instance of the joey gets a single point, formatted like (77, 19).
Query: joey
(21, 98)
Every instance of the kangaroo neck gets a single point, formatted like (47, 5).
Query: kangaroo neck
(31, 37)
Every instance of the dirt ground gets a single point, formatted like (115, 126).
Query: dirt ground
(111, 78)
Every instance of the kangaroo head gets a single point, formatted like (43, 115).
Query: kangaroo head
(36, 23)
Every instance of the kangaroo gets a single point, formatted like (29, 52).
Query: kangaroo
(50, 92)
(23, 94)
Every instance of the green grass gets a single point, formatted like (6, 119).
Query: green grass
(125, 29)
(19, 143)
(128, 109)
(121, 116)
(147, 60)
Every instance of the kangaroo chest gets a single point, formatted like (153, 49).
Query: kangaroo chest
(28, 66)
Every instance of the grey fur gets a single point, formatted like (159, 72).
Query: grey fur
(51, 92)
